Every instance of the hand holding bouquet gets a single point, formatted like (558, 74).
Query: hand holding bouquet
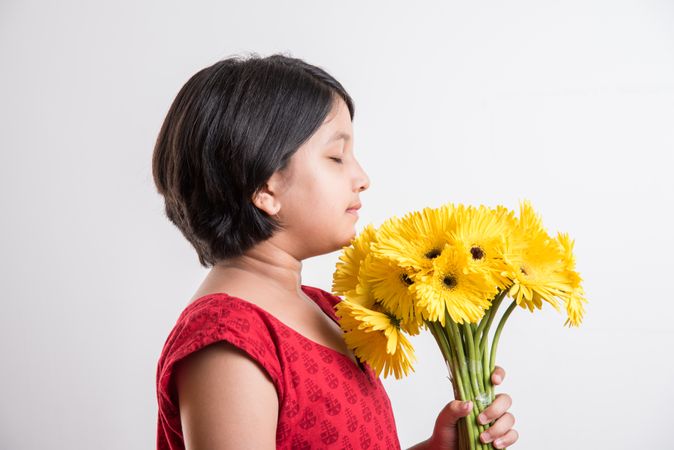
(448, 270)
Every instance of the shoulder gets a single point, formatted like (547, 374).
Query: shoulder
(220, 318)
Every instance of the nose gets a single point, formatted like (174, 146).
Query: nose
(363, 180)
(364, 185)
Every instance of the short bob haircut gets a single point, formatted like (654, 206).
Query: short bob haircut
(231, 126)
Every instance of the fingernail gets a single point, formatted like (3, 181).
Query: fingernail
(482, 419)
(467, 406)
(498, 443)
(485, 437)
(497, 378)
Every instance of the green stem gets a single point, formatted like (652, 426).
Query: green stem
(480, 328)
(475, 370)
(464, 438)
(468, 423)
(460, 363)
(475, 373)
(492, 315)
(457, 343)
(484, 341)
(497, 334)
(487, 375)
(443, 341)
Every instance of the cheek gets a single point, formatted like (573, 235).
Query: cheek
(308, 201)
(316, 211)
(319, 192)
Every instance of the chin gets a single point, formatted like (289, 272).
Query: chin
(350, 238)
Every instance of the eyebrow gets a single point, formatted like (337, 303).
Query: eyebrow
(340, 135)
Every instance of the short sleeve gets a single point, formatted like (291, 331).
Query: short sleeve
(212, 319)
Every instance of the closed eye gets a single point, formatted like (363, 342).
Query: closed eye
(338, 160)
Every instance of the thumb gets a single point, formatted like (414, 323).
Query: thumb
(452, 413)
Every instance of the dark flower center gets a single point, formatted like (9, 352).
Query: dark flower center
(449, 281)
(406, 279)
(392, 317)
(477, 252)
(433, 253)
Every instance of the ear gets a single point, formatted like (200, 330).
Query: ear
(266, 199)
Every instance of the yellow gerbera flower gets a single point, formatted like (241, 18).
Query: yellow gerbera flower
(389, 284)
(574, 298)
(530, 222)
(464, 294)
(376, 337)
(537, 267)
(345, 276)
(482, 232)
(575, 308)
(416, 239)
(362, 294)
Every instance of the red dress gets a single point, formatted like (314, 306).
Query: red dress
(325, 400)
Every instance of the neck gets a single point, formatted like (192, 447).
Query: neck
(268, 263)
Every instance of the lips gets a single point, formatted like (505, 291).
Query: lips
(354, 209)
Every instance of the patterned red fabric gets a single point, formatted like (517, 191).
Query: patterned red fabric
(325, 400)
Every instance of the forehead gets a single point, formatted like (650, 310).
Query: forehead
(340, 134)
(337, 125)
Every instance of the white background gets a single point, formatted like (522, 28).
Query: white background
(569, 104)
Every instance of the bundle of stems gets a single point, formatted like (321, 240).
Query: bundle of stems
(470, 361)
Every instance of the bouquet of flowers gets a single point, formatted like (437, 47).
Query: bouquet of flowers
(448, 269)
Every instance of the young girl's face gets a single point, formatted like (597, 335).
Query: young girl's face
(322, 182)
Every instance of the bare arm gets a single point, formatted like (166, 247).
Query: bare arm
(227, 400)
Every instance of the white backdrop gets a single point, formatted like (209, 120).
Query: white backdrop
(569, 104)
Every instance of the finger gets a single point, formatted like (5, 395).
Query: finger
(499, 428)
(507, 440)
(497, 408)
(497, 375)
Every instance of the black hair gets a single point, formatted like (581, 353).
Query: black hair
(231, 126)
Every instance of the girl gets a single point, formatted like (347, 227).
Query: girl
(256, 165)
